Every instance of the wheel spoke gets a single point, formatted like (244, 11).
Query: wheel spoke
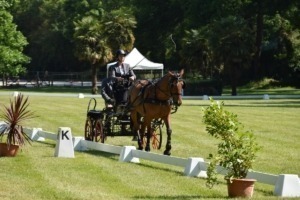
(99, 134)
(88, 130)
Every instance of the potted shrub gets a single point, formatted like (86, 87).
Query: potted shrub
(12, 130)
(235, 153)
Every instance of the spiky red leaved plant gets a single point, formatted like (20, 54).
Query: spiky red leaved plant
(14, 115)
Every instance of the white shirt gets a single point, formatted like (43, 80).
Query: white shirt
(122, 69)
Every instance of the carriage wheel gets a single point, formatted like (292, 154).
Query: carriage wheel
(156, 136)
(88, 133)
(98, 128)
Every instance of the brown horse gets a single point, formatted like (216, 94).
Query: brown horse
(155, 101)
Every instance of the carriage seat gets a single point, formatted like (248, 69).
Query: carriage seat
(95, 114)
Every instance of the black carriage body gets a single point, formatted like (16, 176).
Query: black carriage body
(116, 123)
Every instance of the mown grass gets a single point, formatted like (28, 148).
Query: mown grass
(264, 86)
(36, 174)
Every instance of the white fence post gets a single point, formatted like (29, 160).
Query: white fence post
(287, 185)
(126, 155)
(78, 145)
(81, 96)
(266, 97)
(205, 97)
(195, 168)
(35, 135)
(64, 143)
(15, 94)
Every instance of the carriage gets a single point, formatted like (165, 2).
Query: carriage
(111, 122)
(150, 107)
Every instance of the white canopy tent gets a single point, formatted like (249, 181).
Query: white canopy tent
(138, 62)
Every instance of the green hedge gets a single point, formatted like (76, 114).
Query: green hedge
(203, 87)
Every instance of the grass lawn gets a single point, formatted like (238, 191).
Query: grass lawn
(36, 174)
(264, 86)
(48, 89)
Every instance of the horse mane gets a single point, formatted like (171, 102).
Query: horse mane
(143, 85)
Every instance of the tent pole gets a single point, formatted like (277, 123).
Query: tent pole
(138, 63)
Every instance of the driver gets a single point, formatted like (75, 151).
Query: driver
(121, 69)
(124, 76)
(115, 87)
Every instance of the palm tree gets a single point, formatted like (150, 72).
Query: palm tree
(91, 45)
(96, 38)
(119, 25)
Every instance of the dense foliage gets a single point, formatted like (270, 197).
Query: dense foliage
(233, 40)
(237, 149)
(12, 43)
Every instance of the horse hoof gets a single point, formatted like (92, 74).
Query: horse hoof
(167, 153)
(140, 148)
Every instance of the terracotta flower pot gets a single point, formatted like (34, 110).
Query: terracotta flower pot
(241, 187)
(8, 152)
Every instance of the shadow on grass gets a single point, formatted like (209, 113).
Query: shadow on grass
(172, 172)
(265, 192)
(115, 157)
(47, 143)
(102, 154)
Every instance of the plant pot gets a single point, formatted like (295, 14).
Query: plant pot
(241, 187)
(8, 152)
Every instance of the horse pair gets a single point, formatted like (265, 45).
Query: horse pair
(155, 101)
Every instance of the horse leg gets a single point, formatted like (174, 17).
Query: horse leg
(148, 124)
(139, 140)
(135, 127)
(169, 133)
(142, 131)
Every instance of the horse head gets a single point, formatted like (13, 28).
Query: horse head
(177, 84)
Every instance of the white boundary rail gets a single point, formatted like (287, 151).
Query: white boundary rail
(285, 185)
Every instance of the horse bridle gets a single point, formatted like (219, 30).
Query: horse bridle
(171, 84)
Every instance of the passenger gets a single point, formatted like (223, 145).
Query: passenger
(107, 91)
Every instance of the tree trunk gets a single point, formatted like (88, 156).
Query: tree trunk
(233, 75)
(3, 78)
(258, 42)
(94, 79)
(6, 80)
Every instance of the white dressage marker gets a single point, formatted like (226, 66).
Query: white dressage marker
(64, 143)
